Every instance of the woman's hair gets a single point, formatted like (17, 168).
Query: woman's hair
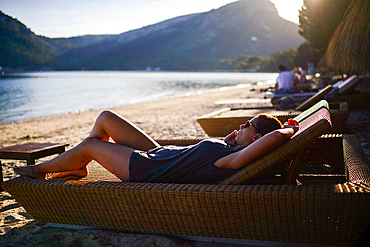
(267, 123)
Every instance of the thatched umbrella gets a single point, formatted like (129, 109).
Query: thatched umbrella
(349, 48)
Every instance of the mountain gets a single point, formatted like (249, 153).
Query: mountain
(191, 42)
(20, 48)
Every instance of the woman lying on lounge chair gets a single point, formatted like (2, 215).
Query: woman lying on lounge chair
(136, 157)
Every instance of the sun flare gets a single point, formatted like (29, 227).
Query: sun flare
(288, 9)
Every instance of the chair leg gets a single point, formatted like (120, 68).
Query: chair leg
(293, 167)
(30, 161)
(1, 176)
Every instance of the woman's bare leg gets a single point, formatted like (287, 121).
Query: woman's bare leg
(111, 125)
(74, 161)
(122, 131)
(115, 158)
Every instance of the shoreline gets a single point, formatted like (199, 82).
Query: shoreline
(166, 118)
(75, 98)
(77, 111)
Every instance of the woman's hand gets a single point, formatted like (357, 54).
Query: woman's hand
(292, 124)
(230, 139)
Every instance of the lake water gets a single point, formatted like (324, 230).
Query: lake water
(41, 94)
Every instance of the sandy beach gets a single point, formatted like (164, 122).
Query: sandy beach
(169, 118)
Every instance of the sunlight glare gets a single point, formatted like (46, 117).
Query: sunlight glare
(288, 9)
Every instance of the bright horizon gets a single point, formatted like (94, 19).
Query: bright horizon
(76, 18)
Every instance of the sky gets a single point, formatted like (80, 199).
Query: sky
(67, 18)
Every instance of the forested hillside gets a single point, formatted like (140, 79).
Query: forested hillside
(192, 42)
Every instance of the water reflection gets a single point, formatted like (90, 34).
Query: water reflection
(13, 96)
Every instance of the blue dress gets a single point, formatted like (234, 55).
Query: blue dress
(181, 164)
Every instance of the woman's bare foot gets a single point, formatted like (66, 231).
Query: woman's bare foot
(29, 171)
(76, 174)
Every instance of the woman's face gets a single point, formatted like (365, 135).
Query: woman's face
(247, 133)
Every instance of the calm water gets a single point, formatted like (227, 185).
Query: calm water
(40, 94)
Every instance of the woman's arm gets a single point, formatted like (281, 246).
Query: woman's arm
(262, 146)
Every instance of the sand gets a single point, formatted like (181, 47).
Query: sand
(169, 118)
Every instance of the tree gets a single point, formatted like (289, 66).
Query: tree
(290, 58)
(307, 55)
(248, 63)
(318, 20)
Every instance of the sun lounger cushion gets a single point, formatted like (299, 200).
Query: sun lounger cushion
(320, 95)
(342, 86)
(299, 97)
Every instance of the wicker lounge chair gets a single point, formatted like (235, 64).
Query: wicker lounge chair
(325, 212)
(343, 86)
(224, 121)
(346, 91)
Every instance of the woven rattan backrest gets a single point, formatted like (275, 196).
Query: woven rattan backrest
(313, 124)
(311, 110)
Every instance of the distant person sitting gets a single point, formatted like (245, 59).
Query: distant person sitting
(286, 81)
(301, 75)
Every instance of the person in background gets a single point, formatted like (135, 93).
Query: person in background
(301, 75)
(286, 81)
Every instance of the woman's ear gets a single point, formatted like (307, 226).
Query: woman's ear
(256, 137)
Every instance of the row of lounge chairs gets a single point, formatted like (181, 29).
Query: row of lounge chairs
(341, 96)
(222, 122)
(312, 189)
(342, 91)
(341, 87)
